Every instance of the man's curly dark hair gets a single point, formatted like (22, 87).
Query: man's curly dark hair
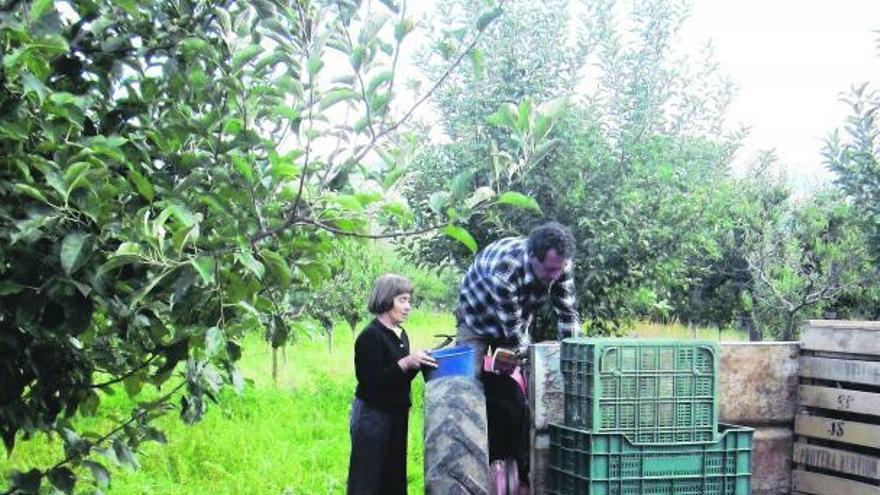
(551, 235)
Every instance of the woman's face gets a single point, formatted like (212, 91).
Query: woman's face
(401, 308)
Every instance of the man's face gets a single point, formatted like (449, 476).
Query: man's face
(550, 269)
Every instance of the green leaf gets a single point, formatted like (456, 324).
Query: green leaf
(368, 198)
(89, 405)
(542, 127)
(269, 60)
(519, 200)
(403, 28)
(243, 167)
(182, 214)
(248, 261)
(381, 78)
(286, 111)
(109, 147)
(284, 169)
(124, 454)
(31, 191)
(357, 57)
(204, 266)
(461, 183)
(75, 250)
(33, 85)
(146, 289)
(278, 268)
(524, 112)
(314, 65)
(437, 201)
(8, 287)
(126, 253)
(461, 235)
(237, 380)
(142, 184)
(505, 116)
(39, 7)
(316, 272)
(245, 55)
(379, 102)
(214, 341)
(349, 203)
(62, 478)
(128, 248)
(479, 63)
(233, 126)
(54, 179)
(487, 17)
(75, 176)
(133, 384)
(335, 96)
(195, 46)
(99, 472)
(399, 211)
(28, 482)
(542, 150)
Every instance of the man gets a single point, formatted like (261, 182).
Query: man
(498, 296)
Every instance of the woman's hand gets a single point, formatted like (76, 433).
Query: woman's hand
(417, 360)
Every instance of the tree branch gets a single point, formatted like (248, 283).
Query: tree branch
(134, 418)
(126, 375)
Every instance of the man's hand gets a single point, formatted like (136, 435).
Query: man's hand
(417, 360)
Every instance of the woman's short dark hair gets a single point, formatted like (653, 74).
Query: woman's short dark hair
(549, 236)
(385, 289)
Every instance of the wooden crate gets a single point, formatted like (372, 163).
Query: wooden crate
(837, 424)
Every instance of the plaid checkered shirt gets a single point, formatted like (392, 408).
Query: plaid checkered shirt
(499, 294)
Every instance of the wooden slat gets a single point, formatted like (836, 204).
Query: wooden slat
(836, 460)
(853, 340)
(843, 370)
(822, 484)
(839, 430)
(839, 399)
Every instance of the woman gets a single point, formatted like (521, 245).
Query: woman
(384, 367)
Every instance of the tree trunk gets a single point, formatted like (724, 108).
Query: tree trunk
(275, 365)
(790, 324)
(353, 323)
(330, 341)
(748, 324)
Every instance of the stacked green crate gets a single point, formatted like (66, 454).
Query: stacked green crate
(653, 391)
(641, 417)
(585, 463)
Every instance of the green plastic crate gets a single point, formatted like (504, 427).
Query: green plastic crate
(653, 391)
(584, 463)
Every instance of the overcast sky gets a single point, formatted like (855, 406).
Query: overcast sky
(791, 60)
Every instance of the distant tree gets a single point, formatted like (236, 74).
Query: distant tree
(805, 261)
(854, 157)
(632, 167)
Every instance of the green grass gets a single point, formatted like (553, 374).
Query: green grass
(290, 437)
(679, 331)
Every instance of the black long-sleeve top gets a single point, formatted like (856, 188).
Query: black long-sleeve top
(381, 382)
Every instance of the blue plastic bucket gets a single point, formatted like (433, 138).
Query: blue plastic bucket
(452, 361)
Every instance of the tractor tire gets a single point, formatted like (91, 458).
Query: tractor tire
(456, 445)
